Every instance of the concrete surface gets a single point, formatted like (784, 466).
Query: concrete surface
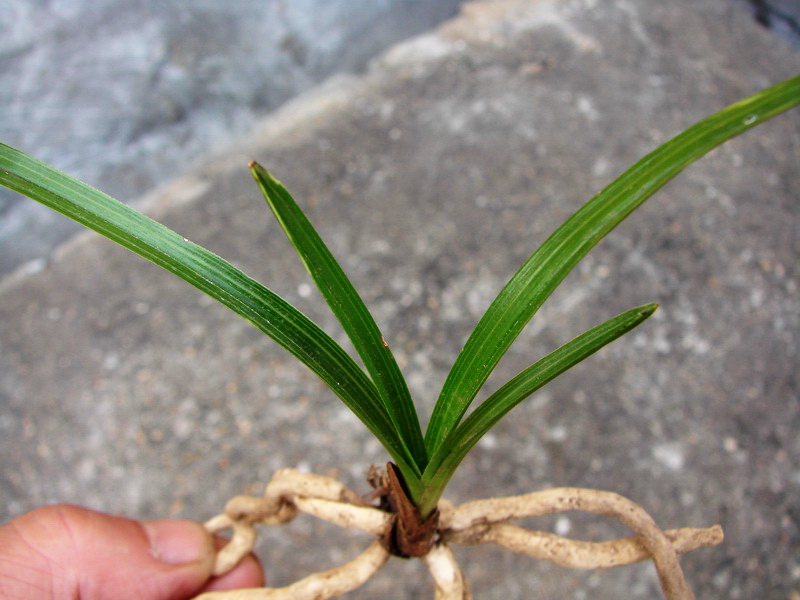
(433, 177)
(125, 94)
(781, 16)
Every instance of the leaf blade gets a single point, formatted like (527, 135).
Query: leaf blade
(209, 273)
(445, 461)
(549, 264)
(348, 307)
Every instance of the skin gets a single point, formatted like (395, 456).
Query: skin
(73, 553)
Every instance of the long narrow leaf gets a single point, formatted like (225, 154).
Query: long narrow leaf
(445, 461)
(544, 270)
(349, 309)
(211, 274)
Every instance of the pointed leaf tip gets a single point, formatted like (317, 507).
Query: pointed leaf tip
(648, 309)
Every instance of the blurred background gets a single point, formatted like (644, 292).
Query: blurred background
(435, 144)
(125, 94)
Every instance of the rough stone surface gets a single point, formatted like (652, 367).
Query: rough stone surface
(432, 178)
(781, 16)
(125, 94)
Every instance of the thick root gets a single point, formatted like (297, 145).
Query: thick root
(482, 521)
(447, 576)
(318, 586)
(288, 492)
(576, 554)
(556, 500)
(241, 544)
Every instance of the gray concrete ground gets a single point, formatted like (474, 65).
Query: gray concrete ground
(139, 90)
(432, 178)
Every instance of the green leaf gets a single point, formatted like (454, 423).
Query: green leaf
(546, 268)
(450, 454)
(350, 310)
(211, 274)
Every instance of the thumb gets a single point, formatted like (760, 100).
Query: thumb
(66, 552)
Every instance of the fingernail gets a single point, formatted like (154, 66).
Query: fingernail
(177, 542)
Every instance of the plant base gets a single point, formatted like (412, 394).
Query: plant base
(400, 531)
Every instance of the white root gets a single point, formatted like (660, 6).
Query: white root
(576, 554)
(318, 586)
(594, 501)
(242, 542)
(364, 518)
(288, 492)
(481, 521)
(288, 483)
(447, 576)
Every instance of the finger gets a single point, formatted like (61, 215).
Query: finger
(247, 574)
(67, 552)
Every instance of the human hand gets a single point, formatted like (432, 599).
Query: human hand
(72, 553)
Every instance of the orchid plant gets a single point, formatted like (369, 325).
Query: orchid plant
(423, 462)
